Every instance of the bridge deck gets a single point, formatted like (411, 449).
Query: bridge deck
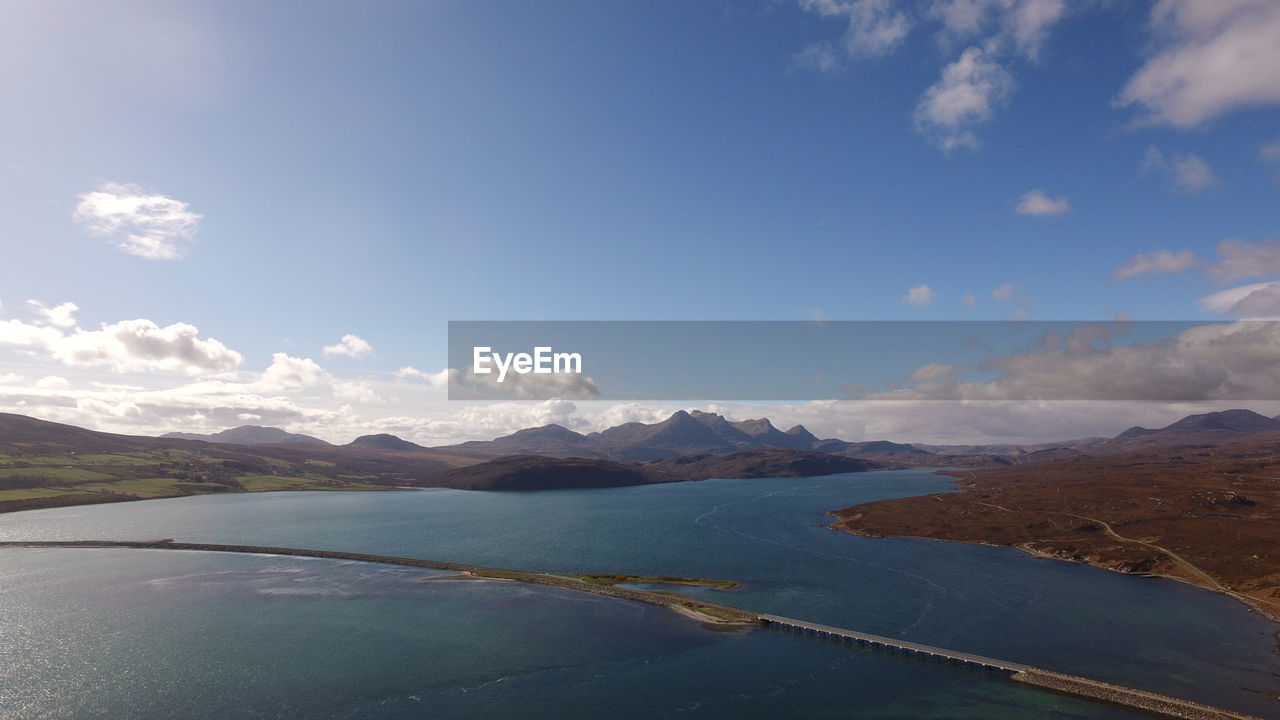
(895, 644)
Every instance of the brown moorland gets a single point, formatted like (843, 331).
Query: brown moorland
(1201, 514)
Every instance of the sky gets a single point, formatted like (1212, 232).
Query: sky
(217, 213)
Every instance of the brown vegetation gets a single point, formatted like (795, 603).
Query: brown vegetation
(1206, 515)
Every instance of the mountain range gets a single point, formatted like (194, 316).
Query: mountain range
(702, 433)
(44, 463)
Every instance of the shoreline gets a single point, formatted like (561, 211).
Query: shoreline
(1041, 555)
(707, 613)
(1196, 578)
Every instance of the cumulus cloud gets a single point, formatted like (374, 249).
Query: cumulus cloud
(932, 372)
(1037, 203)
(60, 315)
(971, 87)
(1221, 362)
(139, 222)
(351, 346)
(472, 385)
(920, 296)
(970, 300)
(1240, 260)
(1187, 172)
(1212, 57)
(286, 373)
(1160, 262)
(126, 345)
(355, 391)
(52, 382)
(873, 28)
(967, 94)
(436, 379)
(1259, 300)
(1023, 24)
(143, 345)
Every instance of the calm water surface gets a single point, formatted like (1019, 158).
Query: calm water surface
(115, 633)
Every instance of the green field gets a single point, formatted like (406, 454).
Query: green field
(32, 493)
(53, 474)
(31, 481)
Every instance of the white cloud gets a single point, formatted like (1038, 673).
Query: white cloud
(1004, 292)
(140, 223)
(920, 296)
(1160, 262)
(1030, 21)
(126, 345)
(354, 391)
(1023, 24)
(143, 345)
(470, 385)
(52, 382)
(291, 373)
(1240, 260)
(1192, 173)
(874, 27)
(60, 315)
(436, 379)
(1259, 300)
(971, 87)
(966, 95)
(932, 373)
(1237, 361)
(351, 346)
(1188, 172)
(970, 301)
(1037, 203)
(1213, 56)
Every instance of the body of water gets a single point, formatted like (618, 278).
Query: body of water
(117, 632)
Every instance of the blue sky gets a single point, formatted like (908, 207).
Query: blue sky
(380, 169)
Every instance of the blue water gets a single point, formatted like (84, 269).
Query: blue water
(360, 641)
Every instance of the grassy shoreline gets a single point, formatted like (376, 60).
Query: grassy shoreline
(705, 612)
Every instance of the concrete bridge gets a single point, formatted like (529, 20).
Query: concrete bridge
(904, 646)
(1058, 682)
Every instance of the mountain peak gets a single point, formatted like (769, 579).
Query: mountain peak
(249, 435)
(548, 432)
(383, 441)
(1235, 420)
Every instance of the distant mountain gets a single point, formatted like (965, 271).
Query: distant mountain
(249, 435)
(702, 433)
(680, 434)
(21, 435)
(383, 441)
(1241, 421)
(551, 440)
(537, 472)
(763, 433)
(1208, 429)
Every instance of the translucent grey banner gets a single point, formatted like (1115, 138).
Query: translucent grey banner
(1172, 361)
